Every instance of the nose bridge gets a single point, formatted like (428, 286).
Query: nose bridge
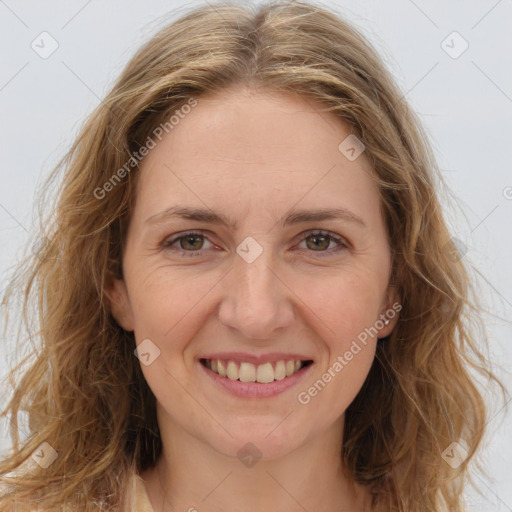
(255, 302)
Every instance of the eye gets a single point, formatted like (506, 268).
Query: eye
(321, 241)
(190, 243)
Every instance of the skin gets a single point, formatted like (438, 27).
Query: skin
(254, 156)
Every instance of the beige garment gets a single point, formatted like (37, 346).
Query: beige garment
(138, 500)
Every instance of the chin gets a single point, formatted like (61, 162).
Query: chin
(259, 441)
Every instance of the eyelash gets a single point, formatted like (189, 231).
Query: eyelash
(342, 243)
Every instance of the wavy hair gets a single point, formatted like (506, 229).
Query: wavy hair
(81, 387)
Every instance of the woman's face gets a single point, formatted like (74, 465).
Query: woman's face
(255, 242)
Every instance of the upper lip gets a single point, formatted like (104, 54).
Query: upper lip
(256, 359)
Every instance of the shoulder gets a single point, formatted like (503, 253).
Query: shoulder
(135, 499)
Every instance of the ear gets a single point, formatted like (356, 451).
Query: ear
(389, 313)
(120, 306)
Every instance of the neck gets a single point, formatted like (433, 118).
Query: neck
(191, 476)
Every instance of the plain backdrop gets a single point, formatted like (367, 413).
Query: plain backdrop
(450, 59)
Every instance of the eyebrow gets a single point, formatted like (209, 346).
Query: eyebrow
(294, 217)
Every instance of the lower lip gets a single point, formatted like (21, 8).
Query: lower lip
(256, 389)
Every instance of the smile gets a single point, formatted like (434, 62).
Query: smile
(251, 375)
(265, 373)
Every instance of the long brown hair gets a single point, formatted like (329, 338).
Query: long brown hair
(83, 389)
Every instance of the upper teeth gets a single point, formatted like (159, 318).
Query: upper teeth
(248, 372)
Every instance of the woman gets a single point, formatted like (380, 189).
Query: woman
(248, 296)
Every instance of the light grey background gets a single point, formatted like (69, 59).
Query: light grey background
(465, 103)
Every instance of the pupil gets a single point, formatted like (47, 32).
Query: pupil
(323, 238)
(190, 240)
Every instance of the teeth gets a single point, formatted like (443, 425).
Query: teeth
(248, 372)
(232, 371)
(280, 371)
(221, 369)
(265, 373)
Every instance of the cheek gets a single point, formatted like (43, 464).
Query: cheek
(349, 310)
(350, 303)
(164, 306)
(159, 303)
(166, 311)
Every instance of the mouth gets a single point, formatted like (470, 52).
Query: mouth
(265, 373)
(254, 376)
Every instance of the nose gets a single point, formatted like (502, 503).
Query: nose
(257, 303)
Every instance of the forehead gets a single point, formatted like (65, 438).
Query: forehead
(258, 128)
(240, 148)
